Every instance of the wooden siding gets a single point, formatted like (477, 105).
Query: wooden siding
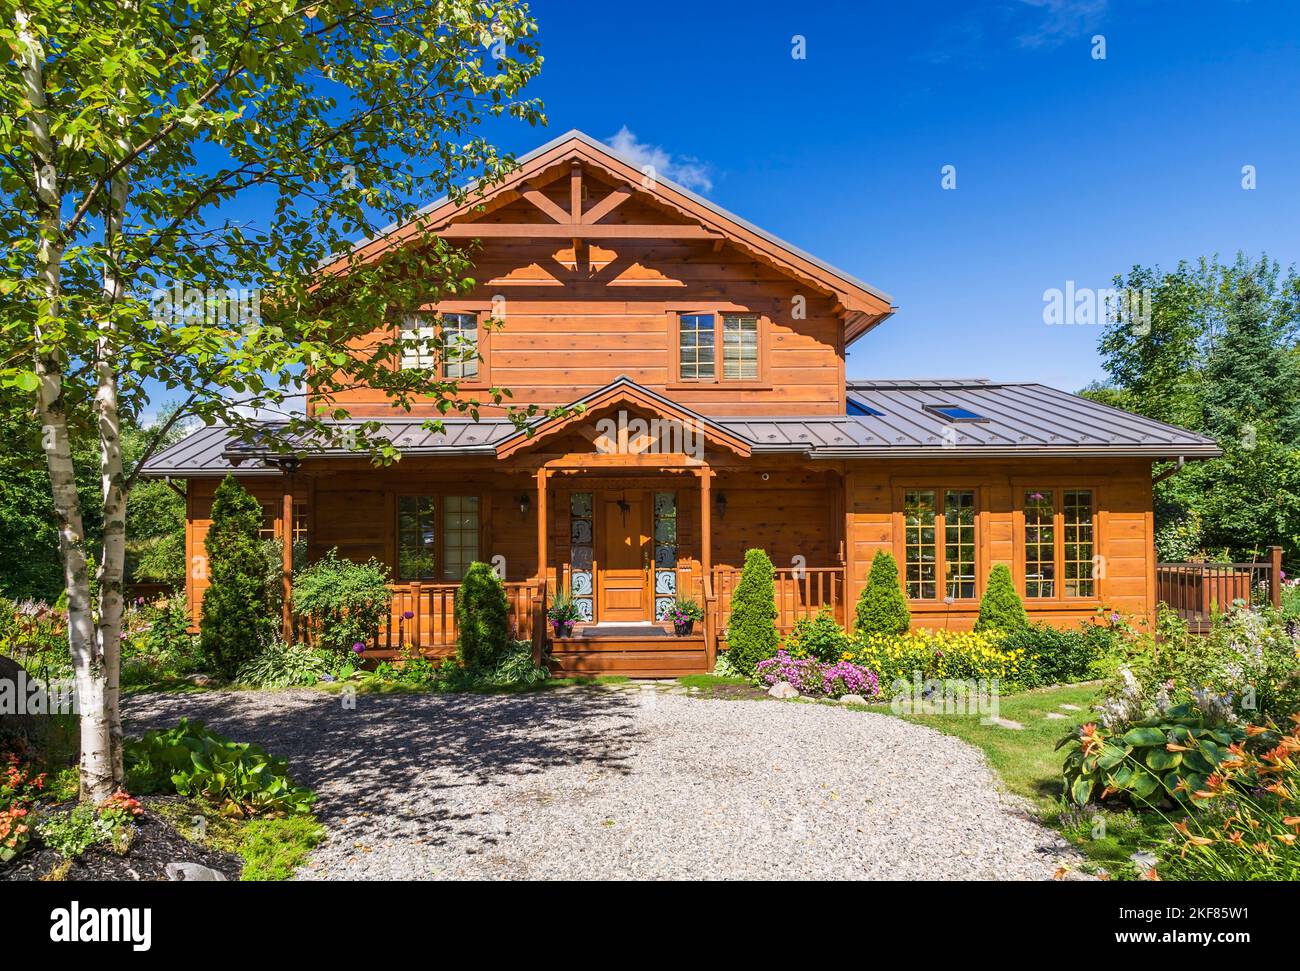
(1124, 537)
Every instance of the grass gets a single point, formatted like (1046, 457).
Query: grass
(272, 849)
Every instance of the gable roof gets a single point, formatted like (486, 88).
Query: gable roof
(623, 391)
(863, 306)
(1022, 420)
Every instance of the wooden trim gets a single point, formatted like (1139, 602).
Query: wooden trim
(569, 231)
(286, 559)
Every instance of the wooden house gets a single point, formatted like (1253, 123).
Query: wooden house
(709, 358)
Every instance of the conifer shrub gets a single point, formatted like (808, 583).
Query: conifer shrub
(882, 608)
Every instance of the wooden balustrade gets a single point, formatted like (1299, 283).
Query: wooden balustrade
(799, 593)
(1196, 591)
(423, 616)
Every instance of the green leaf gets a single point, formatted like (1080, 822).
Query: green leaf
(1161, 759)
(1139, 737)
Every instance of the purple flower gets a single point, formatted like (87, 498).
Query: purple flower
(1114, 617)
(358, 648)
(408, 614)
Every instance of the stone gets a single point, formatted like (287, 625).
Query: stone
(192, 873)
(201, 680)
(782, 689)
(1072, 708)
(1006, 723)
(852, 700)
(1055, 715)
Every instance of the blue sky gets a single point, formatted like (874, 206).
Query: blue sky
(1068, 168)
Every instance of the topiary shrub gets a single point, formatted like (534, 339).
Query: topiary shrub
(819, 637)
(344, 602)
(751, 632)
(236, 621)
(882, 608)
(1000, 607)
(482, 618)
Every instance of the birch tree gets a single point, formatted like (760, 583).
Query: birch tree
(134, 135)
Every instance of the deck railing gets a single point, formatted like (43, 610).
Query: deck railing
(799, 593)
(1197, 591)
(423, 616)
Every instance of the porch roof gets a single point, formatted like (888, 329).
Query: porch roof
(887, 419)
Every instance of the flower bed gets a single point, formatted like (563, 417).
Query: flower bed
(809, 676)
(940, 654)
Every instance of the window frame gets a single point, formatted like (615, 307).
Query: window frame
(480, 311)
(1058, 487)
(676, 382)
(958, 484)
(439, 499)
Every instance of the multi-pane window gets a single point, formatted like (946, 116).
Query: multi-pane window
(740, 347)
(460, 345)
(918, 544)
(959, 543)
(1076, 524)
(418, 332)
(1040, 543)
(1060, 541)
(696, 348)
(939, 541)
(272, 509)
(459, 535)
(427, 552)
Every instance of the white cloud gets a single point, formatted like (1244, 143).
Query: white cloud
(1062, 20)
(684, 169)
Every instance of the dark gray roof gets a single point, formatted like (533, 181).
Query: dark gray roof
(893, 419)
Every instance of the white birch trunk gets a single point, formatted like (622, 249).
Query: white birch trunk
(97, 776)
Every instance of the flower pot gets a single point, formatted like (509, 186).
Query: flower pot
(683, 627)
(563, 628)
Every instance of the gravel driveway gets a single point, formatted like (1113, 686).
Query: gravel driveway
(592, 783)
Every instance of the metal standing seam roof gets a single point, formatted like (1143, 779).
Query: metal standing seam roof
(1022, 419)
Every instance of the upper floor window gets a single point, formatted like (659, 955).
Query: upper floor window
(939, 543)
(701, 356)
(460, 345)
(460, 351)
(696, 348)
(437, 536)
(1059, 543)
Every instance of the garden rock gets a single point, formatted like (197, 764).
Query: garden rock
(1053, 715)
(192, 873)
(201, 680)
(1006, 723)
(1072, 708)
(852, 700)
(782, 689)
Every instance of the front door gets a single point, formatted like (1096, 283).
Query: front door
(623, 560)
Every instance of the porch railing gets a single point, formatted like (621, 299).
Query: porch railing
(423, 616)
(799, 593)
(1196, 591)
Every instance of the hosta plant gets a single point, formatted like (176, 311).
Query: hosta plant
(1169, 757)
(240, 778)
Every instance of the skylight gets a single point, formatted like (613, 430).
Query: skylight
(858, 408)
(955, 413)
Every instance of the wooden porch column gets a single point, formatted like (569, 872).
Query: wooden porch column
(542, 522)
(706, 522)
(286, 559)
(1275, 576)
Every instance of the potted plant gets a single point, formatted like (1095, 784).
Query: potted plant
(562, 614)
(683, 614)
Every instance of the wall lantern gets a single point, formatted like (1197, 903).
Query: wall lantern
(525, 503)
(722, 505)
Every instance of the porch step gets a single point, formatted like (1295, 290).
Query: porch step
(644, 654)
(619, 630)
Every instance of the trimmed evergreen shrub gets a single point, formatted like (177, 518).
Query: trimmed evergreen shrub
(482, 618)
(236, 623)
(751, 632)
(882, 608)
(819, 637)
(345, 602)
(1000, 607)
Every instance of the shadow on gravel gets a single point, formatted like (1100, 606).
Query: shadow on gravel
(393, 755)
